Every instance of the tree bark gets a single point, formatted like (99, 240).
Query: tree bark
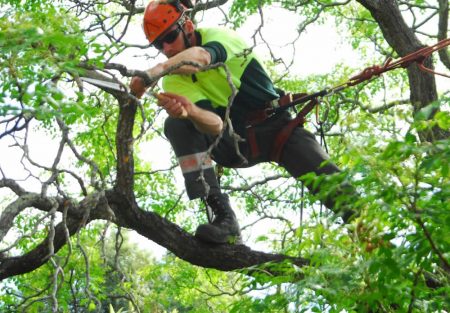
(443, 30)
(12, 266)
(124, 146)
(225, 257)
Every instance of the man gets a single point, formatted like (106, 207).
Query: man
(196, 103)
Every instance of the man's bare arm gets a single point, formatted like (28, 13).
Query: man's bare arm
(194, 54)
(180, 107)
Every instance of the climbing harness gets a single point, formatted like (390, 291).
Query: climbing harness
(313, 100)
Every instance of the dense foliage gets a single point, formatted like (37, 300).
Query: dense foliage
(78, 167)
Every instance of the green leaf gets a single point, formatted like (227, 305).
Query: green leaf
(410, 138)
(426, 112)
(443, 120)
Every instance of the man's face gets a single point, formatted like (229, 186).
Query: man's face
(171, 42)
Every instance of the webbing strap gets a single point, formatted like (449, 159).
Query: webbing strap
(284, 134)
(251, 137)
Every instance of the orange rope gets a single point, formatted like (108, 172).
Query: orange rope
(418, 56)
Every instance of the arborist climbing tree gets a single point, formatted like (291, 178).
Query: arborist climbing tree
(196, 102)
(389, 137)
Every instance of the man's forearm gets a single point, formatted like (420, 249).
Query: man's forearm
(206, 121)
(196, 55)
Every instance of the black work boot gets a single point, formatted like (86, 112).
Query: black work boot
(224, 228)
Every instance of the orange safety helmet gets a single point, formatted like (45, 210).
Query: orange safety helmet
(159, 16)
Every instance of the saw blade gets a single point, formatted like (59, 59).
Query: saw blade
(104, 84)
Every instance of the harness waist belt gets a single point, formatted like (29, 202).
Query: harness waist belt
(258, 116)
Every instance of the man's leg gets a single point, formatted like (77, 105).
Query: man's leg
(191, 147)
(303, 154)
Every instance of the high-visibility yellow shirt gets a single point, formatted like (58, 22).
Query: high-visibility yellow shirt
(211, 89)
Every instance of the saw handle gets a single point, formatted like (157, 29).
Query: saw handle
(164, 98)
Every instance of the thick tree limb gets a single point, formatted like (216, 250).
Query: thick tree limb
(90, 208)
(40, 255)
(124, 143)
(150, 225)
(11, 184)
(17, 206)
(186, 246)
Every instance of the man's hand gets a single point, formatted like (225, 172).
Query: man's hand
(181, 107)
(137, 86)
(175, 105)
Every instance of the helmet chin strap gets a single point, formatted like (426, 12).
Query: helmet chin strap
(187, 43)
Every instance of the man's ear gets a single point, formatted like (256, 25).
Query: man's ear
(189, 26)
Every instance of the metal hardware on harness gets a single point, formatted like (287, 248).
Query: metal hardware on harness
(274, 103)
(304, 98)
(257, 116)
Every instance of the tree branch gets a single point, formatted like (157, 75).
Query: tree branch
(94, 206)
(442, 31)
(11, 184)
(184, 245)
(38, 256)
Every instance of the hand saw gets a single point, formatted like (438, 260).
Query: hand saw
(105, 84)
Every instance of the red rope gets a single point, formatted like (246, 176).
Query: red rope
(418, 56)
(283, 135)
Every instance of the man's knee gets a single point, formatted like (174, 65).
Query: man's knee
(327, 167)
(303, 154)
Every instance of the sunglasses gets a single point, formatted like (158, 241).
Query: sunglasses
(167, 38)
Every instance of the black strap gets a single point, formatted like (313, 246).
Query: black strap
(322, 136)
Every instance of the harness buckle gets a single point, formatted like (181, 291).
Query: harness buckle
(274, 103)
(269, 111)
